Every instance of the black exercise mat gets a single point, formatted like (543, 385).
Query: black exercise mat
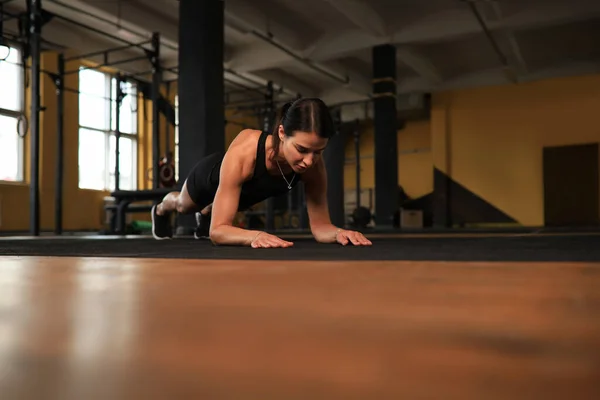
(478, 248)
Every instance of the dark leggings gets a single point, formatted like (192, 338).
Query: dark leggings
(203, 180)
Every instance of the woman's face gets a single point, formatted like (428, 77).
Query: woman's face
(302, 150)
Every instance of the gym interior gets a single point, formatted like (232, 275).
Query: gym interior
(483, 280)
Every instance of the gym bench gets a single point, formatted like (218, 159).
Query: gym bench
(123, 200)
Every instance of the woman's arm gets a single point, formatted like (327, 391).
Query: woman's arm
(315, 186)
(225, 205)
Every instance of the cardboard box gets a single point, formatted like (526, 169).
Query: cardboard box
(411, 218)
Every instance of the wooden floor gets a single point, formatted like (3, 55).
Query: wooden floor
(114, 329)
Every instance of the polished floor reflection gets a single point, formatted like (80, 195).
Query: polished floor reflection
(74, 328)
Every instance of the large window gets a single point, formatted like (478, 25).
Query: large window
(97, 127)
(12, 121)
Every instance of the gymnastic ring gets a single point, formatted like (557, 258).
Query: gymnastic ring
(166, 175)
(22, 120)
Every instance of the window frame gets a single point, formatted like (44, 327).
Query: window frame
(17, 114)
(109, 133)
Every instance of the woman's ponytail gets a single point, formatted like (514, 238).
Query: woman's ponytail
(276, 139)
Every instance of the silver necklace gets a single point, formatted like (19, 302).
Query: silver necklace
(282, 174)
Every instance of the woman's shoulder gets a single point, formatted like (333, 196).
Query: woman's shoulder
(245, 141)
(243, 149)
(246, 135)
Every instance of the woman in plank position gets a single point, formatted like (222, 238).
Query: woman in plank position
(256, 166)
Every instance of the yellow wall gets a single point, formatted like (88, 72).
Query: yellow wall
(491, 139)
(414, 159)
(82, 208)
(233, 129)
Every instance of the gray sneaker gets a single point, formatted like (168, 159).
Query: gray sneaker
(161, 226)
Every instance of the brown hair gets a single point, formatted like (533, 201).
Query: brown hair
(305, 115)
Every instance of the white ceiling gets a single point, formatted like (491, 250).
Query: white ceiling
(440, 43)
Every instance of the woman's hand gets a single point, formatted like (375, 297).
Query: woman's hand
(344, 237)
(265, 240)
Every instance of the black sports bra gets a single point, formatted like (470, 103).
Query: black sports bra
(262, 185)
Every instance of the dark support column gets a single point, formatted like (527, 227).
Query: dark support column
(35, 27)
(156, 82)
(200, 85)
(334, 157)
(441, 200)
(118, 102)
(60, 106)
(356, 135)
(386, 153)
(302, 211)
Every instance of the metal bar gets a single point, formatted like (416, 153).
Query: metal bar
(100, 52)
(257, 102)
(141, 73)
(244, 88)
(71, 90)
(303, 60)
(58, 193)
(357, 160)
(8, 13)
(238, 91)
(11, 113)
(156, 78)
(302, 220)
(167, 128)
(98, 31)
(118, 102)
(1, 24)
(268, 126)
(173, 70)
(106, 21)
(35, 19)
(290, 206)
(107, 64)
(232, 72)
(487, 32)
(278, 88)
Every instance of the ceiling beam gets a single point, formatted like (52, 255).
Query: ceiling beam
(76, 41)
(132, 24)
(419, 64)
(497, 76)
(340, 94)
(262, 56)
(360, 14)
(570, 69)
(514, 53)
(281, 52)
(257, 56)
(290, 84)
(247, 18)
(449, 25)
